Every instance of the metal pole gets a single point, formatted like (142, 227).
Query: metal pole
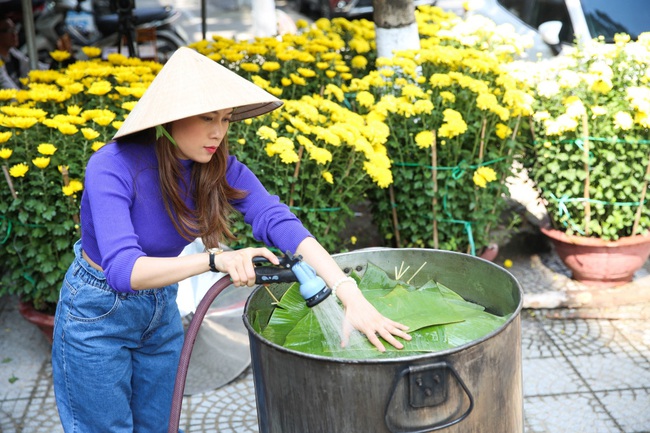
(203, 19)
(30, 33)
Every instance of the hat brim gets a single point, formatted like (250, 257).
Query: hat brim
(191, 84)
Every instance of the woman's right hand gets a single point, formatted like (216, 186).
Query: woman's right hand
(239, 264)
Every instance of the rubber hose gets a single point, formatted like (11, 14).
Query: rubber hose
(186, 352)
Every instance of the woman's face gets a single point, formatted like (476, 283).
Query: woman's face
(199, 137)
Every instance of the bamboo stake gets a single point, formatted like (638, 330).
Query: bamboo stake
(481, 148)
(66, 182)
(637, 216)
(515, 131)
(9, 182)
(296, 172)
(393, 206)
(585, 148)
(434, 201)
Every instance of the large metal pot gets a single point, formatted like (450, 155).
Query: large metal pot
(475, 388)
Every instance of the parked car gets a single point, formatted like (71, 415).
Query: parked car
(557, 24)
(342, 8)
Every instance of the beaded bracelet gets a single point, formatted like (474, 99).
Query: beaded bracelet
(341, 281)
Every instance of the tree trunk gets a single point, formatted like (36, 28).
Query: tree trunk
(264, 20)
(395, 26)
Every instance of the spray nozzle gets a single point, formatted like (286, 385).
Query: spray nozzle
(291, 269)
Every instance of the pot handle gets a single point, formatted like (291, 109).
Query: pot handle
(429, 386)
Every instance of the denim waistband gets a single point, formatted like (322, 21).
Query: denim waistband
(89, 275)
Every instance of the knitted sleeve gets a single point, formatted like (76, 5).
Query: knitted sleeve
(272, 221)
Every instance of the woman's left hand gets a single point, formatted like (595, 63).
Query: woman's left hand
(363, 316)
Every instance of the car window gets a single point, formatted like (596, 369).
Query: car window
(536, 12)
(606, 17)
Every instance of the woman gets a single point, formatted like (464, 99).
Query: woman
(165, 180)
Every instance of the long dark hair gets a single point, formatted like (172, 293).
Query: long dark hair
(211, 192)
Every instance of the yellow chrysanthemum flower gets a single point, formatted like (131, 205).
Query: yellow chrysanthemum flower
(105, 119)
(92, 52)
(424, 139)
(502, 131)
(67, 190)
(5, 136)
(365, 99)
(20, 122)
(454, 124)
(320, 155)
(250, 67)
(289, 156)
(41, 162)
(5, 153)
(60, 56)
(73, 110)
(483, 176)
(307, 73)
(99, 88)
(359, 62)
(18, 170)
(46, 149)
(76, 185)
(97, 145)
(267, 133)
(271, 66)
(67, 129)
(89, 133)
(129, 105)
(334, 90)
(328, 177)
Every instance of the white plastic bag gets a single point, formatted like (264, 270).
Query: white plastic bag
(192, 290)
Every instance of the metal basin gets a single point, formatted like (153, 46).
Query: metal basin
(475, 388)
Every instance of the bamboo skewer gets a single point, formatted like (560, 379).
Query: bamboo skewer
(401, 272)
(434, 175)
(9, 182)
(393, 206)
(295, 175)
(585, 149)
(266, 286)
(637, 216)
(416, 272)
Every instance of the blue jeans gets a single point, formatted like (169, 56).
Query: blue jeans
(114, 355)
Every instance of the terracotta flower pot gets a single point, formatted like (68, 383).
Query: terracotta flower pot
(597, 262)
(44, 321)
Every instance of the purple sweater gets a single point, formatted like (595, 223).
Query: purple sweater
(123, 216)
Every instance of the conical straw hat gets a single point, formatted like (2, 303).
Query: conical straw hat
(190, 84)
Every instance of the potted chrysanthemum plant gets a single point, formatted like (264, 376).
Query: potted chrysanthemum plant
(590, 157)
